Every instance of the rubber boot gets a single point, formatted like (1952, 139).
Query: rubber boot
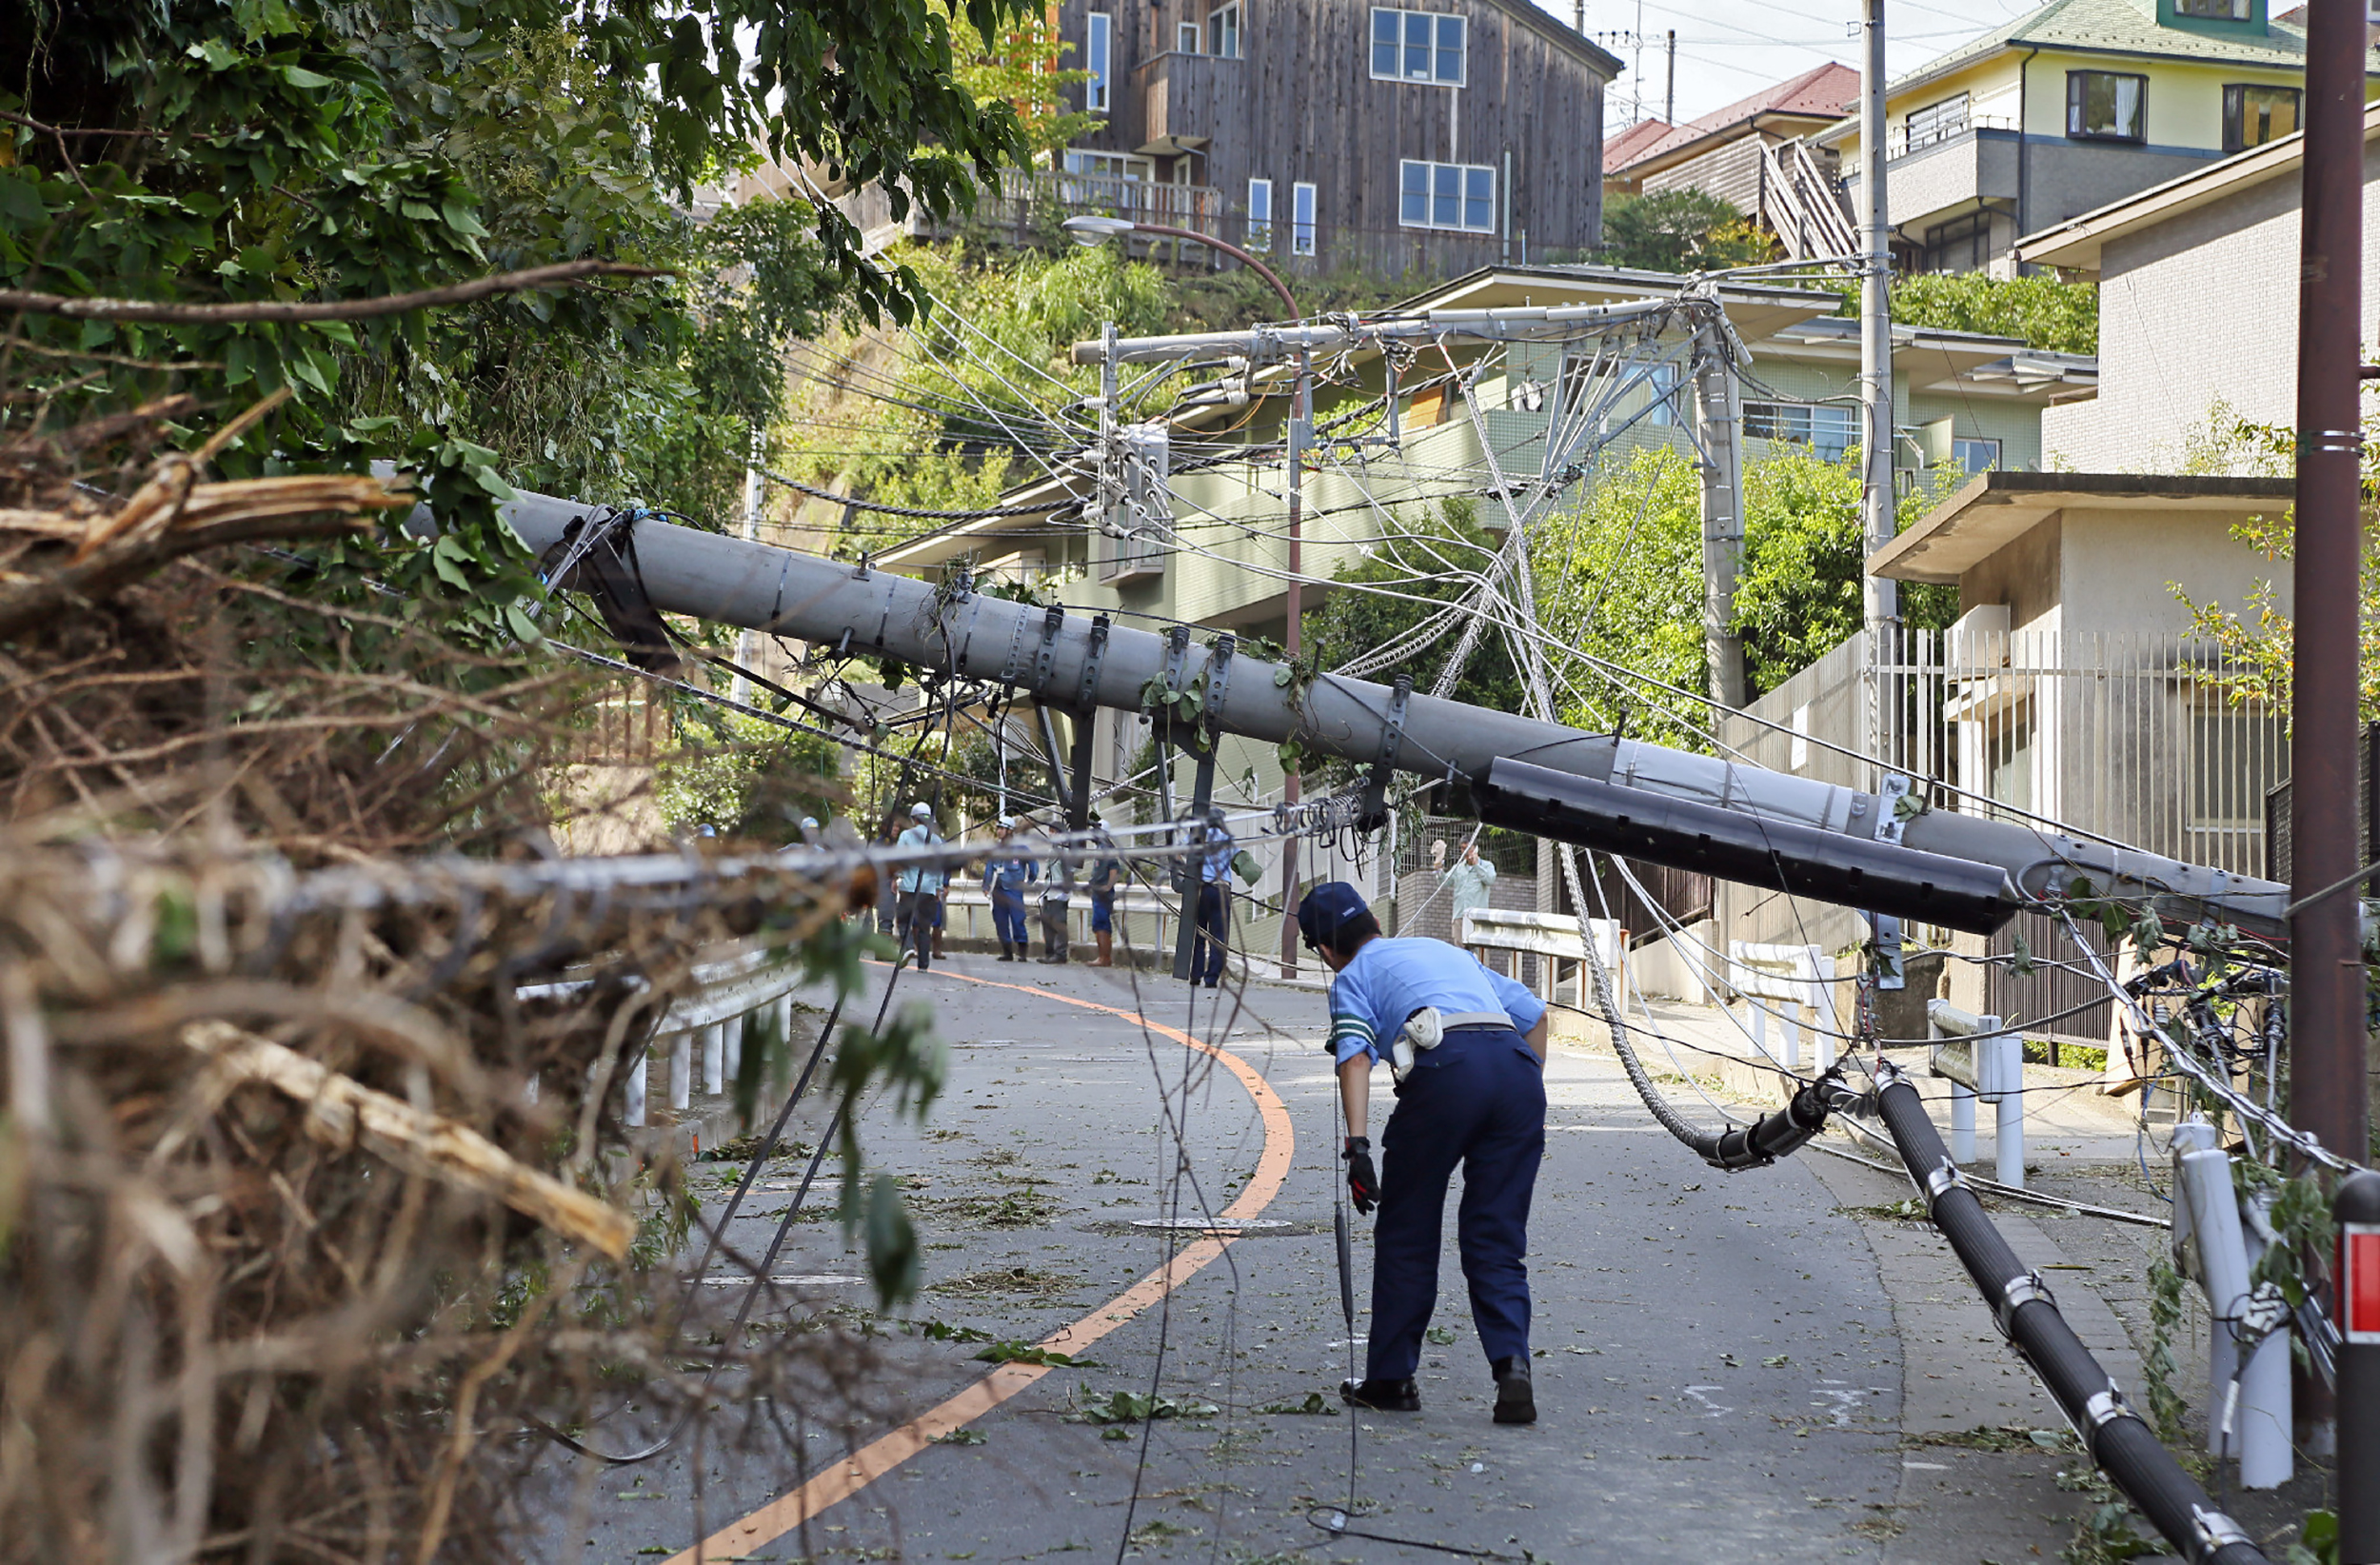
(1107, 949)
(1007, 952)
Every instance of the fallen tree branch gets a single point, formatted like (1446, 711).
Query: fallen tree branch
(160, 312)
(343, 1114)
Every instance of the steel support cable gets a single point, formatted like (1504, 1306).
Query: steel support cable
(2119, 1443)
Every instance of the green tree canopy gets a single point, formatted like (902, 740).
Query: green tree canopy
(2039, 310)
(1680, 232)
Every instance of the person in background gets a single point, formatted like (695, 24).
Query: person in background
(920, 885)
(1057, 896)
(1105, 876)
(887, 892)
(1005, 877)
(1466, 884)
(1214, 910)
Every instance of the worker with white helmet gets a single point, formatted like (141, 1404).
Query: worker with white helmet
(920, 885)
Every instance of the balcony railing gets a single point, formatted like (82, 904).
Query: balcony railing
(1898, 143)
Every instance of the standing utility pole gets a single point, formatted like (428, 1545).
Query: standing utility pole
(2328, 1091)
(1882, 599)
(1669, 103)
(1719, 428)
(740, 688)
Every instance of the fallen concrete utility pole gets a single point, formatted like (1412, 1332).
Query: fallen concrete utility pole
(1078, 662)
(2117, 1440)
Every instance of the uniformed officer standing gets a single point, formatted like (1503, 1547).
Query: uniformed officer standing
(1473, 1094)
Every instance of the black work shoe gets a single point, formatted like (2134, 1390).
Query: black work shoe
(1007, 953)
(1516, 1402)
(1382, 1396)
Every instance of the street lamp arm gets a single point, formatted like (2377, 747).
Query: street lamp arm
(1166, 231)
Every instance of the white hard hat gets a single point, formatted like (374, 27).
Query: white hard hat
(921, 810)
(809, 822)
(1007, 823)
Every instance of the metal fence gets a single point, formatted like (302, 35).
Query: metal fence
(2131, 737)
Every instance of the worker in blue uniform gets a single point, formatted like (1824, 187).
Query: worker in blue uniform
(1467, 1049)
(1005, 875)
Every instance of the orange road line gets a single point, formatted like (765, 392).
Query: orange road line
(872, 1461)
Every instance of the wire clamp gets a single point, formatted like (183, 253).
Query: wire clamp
(1942, 1179)
(1218, 680)
(2212, 1530)
(1052, 623)
(2107, 1406)
(1092, 658)
(1372, 813)
(2017, 1291)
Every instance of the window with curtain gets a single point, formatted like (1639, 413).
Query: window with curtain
(2254, 115)
(2106, 106)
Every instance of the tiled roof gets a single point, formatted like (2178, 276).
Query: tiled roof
(1623, 148)
(2122, 26)
(1826, 92)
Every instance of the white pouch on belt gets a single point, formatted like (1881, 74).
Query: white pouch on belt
(1423, 1031)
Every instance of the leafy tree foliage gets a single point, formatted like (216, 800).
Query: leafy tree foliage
(1680, 232)
(1621, 584)
(2041, 310)
(214, 151)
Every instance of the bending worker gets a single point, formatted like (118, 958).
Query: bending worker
(1467, 1049)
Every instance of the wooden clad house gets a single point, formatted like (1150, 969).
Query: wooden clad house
(1434, 136)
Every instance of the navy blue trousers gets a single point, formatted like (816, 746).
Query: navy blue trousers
(1483, 1107)
(1008, 916)
(1214, 936)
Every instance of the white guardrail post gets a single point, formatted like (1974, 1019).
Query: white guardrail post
(2252, 1412)
(1792, 977)
(1981, 1062)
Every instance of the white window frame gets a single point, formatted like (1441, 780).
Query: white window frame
(1098, 36)
(1989, 447)
(1462, 176)
(1302, 207)
(1185, 38)
(1099, 164)
(1260, 214)
(1426, 32)
(1223, 27)
(1799, 424)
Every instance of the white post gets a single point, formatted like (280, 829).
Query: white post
(681, 1070)
(2000, 1076)
(1962, 1109)
(733, 1066)
(2254, 1424)
(1828, 1021)
(1789, 1025)
(715, 1059)
(636, 1089)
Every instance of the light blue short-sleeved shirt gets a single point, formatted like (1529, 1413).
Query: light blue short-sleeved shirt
(1389, 979)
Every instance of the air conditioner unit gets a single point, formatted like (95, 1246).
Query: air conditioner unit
(1979, 639)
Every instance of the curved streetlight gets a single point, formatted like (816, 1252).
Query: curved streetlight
(1090, 230)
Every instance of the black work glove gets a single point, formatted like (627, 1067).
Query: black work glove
(1363, 1180)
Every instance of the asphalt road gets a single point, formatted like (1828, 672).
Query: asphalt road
(1717, 1362)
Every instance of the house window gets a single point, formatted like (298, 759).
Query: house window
(2212, 10)
(1260, 214)
(2106, 106)
(1446, 196)
(1828, 428)
(1937, 122)
(1097, 28)
(1660, 384)
(1417, 46)
(1108, 165)
(1223, 31)
(1301, 219)
(1975, 456)
(2254, 115)
(1185, 38)
(1964, 244)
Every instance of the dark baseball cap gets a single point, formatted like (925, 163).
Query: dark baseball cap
(1325, 908)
